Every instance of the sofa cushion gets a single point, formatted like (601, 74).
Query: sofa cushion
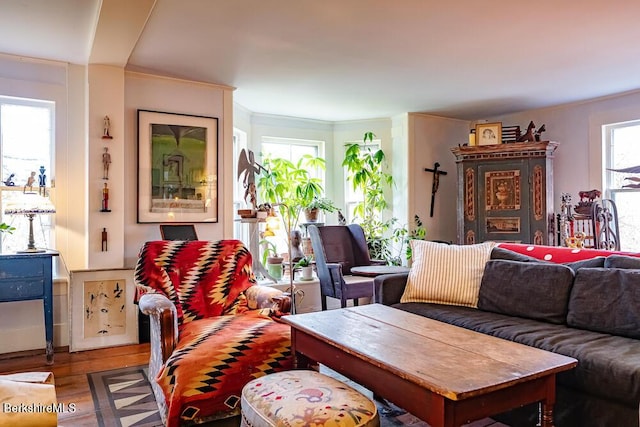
(608, 366)
(606, 300)
(526, 289)
(506, 254)
(447, 274)
(622, 261)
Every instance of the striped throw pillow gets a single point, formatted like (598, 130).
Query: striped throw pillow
(446, 274)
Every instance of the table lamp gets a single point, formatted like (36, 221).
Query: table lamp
(30, 205)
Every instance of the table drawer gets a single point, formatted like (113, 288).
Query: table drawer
(23, 267)
(17, 290)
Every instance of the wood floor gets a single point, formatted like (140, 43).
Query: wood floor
(70, 373)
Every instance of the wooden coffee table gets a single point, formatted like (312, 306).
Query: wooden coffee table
(443, 374)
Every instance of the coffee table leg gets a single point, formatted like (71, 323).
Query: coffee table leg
(546, 406)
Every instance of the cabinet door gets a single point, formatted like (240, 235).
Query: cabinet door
(503, 201)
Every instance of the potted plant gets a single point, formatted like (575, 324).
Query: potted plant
(271, 259)
(316, 205)
(290, 185)
(305, 266)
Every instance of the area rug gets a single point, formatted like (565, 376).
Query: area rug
(123, 397)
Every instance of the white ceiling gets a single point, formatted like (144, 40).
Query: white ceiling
(357, 59)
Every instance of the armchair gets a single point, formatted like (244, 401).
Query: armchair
(213, 329)
(337, 249)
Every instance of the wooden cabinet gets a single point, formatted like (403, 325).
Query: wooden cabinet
(505, 193)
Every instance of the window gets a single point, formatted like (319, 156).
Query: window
(292, 150)
(352, 198)
(622, 150)
(26, 145)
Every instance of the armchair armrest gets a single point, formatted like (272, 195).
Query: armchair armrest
(388, 288)
(163, 319)
(267, 297)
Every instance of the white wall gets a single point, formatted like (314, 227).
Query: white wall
(430, 140)
(148, 92)
(578, 163)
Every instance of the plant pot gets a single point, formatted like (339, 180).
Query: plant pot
(311, 215)
(307, 248)
(307, 273)
(274, 267)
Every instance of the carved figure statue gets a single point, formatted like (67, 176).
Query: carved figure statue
(539, 132)
(30, 181)
(106, 162)
(248, 166)
(106, 128)
(9, 182)
(528, 136)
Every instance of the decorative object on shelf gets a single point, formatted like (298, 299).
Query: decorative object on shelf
(30, 205)
(575, 241)
(472, 138)
(564, 219)
(435, 184)
(177, 168)
(106, 128)
(102, 310)
(510, 134)
(529, 135)
(9, 181)
(105, 199)
(30, 181)
(106, 162)
(42, 182)
(489, 133)
(538, 133)
(586, 201)
(296, 241)
(341, 218)
(104, 240)
(248, 167)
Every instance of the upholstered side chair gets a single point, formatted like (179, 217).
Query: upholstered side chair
(336, 250)
(213, 329)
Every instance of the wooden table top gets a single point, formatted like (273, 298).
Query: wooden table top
(448, 360)
(377, 270)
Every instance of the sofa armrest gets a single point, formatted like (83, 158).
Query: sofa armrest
(267, 297)
(163, 320)
(388, 288)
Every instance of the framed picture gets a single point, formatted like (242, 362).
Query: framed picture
(102, 311)
(503, 225)
(502, 190)
(177, 168)
(489, 133)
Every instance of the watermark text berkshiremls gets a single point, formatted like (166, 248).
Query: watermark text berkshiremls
(39, 408)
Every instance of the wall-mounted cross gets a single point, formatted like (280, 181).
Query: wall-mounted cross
(435, 184)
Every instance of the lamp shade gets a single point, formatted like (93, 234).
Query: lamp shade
(29, 203)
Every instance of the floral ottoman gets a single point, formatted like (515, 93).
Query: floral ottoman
(303, 398)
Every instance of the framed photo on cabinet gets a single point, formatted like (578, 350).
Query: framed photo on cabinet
(489, 133)
(177, 168)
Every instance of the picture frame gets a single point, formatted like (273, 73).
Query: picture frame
(488, 133)
(503, 225)
(502, 189)
(102, 312)
(177, 168)
(178, 232)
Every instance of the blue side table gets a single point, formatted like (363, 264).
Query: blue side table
(29, 276)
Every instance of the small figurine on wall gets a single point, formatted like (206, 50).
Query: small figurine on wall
(104, 240)
(106, 162)
(529, 135)
(105, 199)
(106, 128)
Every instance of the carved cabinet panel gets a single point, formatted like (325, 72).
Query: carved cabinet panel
(505, 193)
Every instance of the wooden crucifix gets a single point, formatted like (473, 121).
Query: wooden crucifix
(435, 184)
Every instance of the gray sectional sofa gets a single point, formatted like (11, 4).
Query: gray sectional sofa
(589, 310)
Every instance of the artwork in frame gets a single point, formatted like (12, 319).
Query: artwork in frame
(502, 190)
(102, 311)
(489, 133)
(177, 168)
(503, 225)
